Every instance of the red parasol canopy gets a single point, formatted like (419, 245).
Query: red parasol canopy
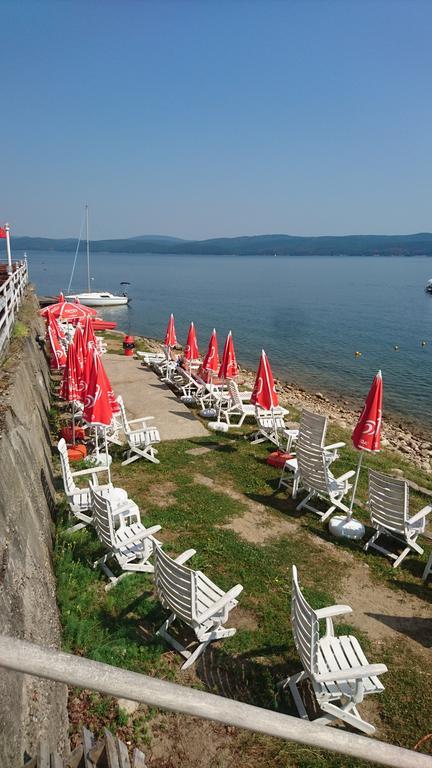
(367, 433)
(80, 349)
(170, 336)
(65, 310)
(228, 368)
(69, 386)
(191, 351)
(89, 338)
(58, 354)
(264, 392)
(100, 401)
(211, 360)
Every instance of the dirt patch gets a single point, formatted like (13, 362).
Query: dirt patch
(381, 612)
(199, 451)
(179, 740)
(257, 525)
(161, 494)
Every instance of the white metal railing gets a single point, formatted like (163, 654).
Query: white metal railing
(28, 658)
(11, 293)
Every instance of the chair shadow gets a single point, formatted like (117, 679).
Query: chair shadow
(418, 629)
(278, 502)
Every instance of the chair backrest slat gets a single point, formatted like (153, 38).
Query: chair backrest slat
(313, 428)
(235, 394)
(123, 414)
(305, 627)
(313, 468)
(175, 585)
(388, 501)
(103, 517)
(68, 480)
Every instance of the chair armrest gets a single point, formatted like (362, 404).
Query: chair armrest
(140, 536)
(332, 610)
(122, 508)
(334, 446)
(346, 476)
(185, 556)
(219, 604)
(90, 471)
(143, 418)
(419, 515)
(356, 673)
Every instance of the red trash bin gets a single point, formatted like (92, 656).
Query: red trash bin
(128, 345)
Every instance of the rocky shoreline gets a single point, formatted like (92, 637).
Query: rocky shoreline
(414, 445)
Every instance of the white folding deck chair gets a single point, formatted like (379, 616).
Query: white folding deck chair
(314, 475)
(233, 404)
(312, 432)
(389, 511)
(79, 498)
(141, 441)
(131, 544)
(272, 427)
(194, 599)
(186, 383)
(337, 668)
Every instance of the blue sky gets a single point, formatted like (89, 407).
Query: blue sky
(212, 118)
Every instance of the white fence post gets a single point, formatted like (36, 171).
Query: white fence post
(11, 293)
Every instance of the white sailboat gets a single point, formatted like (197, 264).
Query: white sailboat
(94, 298)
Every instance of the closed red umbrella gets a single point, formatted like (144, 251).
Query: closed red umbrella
(228, 368)
(367, 432)
(58, 354)
(61, 298)
(80, 351)
(69, 386)
(100, 402)
(89, 338)
(191, 351)
(65, 310)
(264, 392)
(170, 336)
(211, 361)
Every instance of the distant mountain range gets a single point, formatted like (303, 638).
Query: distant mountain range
(263, 245)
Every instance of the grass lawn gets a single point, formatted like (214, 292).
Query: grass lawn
(202, 501)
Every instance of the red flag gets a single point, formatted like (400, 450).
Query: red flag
(191, 351)
(69, 386)
(170, 336)
(211, 361)
(367, 433)
(2, 232)
(100, 399)
(264, 392)
(228, 368)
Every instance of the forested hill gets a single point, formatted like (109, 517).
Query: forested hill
(282, 245)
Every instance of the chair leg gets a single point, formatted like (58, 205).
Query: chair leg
(352, 719)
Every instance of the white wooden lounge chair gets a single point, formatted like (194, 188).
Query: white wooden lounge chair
(79, 499)
(141, 441)
(186, 383)
(272, 427)
(312, 432)
(315, 477)
(337, 668)
(234, 405)
(194, 599)
(131, 544)
(389, 511)
(151, 358)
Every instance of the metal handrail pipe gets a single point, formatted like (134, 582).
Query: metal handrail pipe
(25, 657)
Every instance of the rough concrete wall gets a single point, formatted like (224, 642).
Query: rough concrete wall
(29, 706)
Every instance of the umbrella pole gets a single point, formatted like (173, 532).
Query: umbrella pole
(107, 456)
(220, 398)
(355, 484)
(275, 427)
(73, 422)
(97, 444)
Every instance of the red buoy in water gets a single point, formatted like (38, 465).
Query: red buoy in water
(128, 345)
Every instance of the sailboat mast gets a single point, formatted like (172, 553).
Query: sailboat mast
(88, 250)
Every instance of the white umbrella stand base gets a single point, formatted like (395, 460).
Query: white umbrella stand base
(346, 528)
(98, 461)
(208, 413)
(188, 400)
(218, 426)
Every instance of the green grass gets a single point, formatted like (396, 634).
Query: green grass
(118, 627)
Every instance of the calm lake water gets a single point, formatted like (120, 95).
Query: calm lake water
(310, 314)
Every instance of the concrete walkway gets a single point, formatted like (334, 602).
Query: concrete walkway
(145, 395)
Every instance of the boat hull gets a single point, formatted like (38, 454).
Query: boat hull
(99, 301)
